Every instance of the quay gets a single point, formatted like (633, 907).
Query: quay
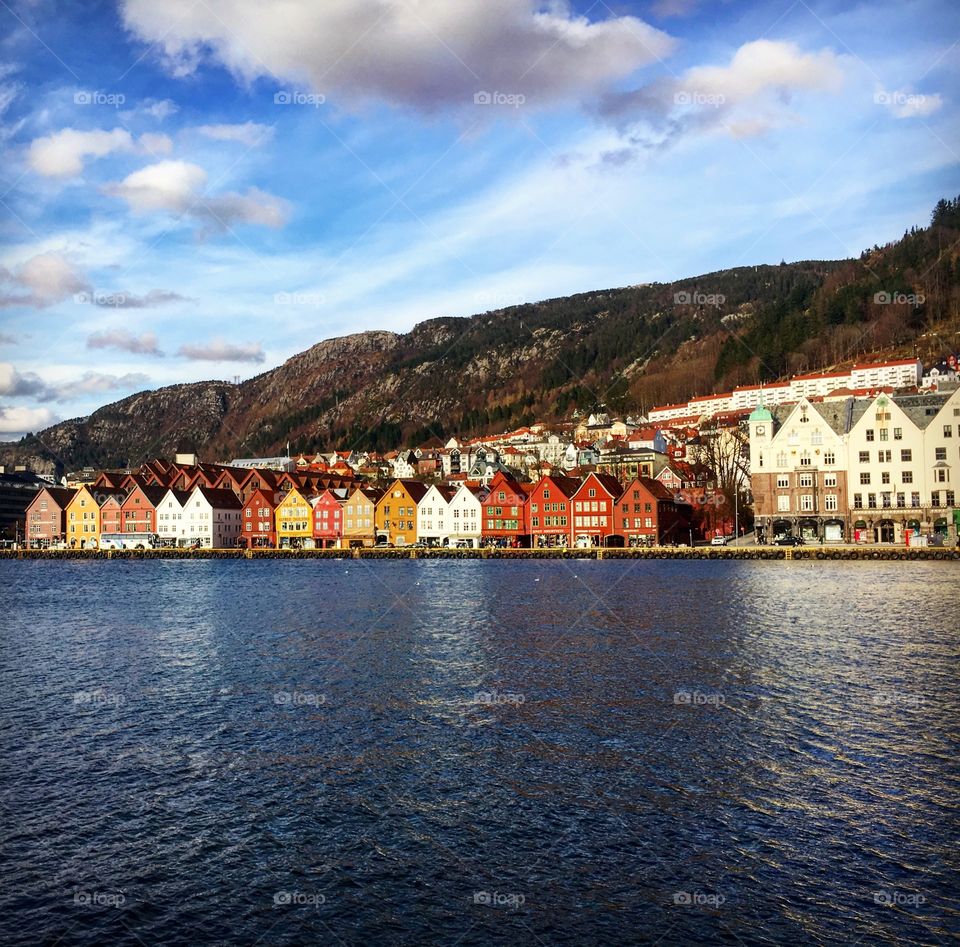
(789, 553)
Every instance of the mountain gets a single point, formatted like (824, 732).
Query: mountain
(628, 349)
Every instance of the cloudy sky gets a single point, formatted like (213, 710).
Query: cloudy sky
(196, 189)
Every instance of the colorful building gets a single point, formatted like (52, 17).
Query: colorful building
(550, 511)
(294, 518)
(46, 517)
(359, 517)
(593, 505)
(505, 512)
(259, 520)
(328, 518)
(83, 516)
(647, 512)
(396, 512)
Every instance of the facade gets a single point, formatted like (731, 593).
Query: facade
(505, 513)
(46, 517)
(171, 526)
(466, 515)
(328, 518)
(212, 518)
(294, 520)
(111, 517)
(359, 517)
(648, 513)
(593, 505)
(396, 512)
(434, 519)
(259, 520)
(138, 512)
(550, 511)
(83, 516)
(874, 470)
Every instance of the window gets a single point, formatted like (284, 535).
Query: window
(884, 456)
(941, 453)
(948, 430)
(830, 502)
(782, 459)
(829, 457)
(914, 499)
(885, 477)
(907, 476)
(829, 480)
(906, 455)
(783, 504)
(806, 502)
(942, 476)
(805, 459)
(950, 498)
(898, 433)
(864, 457)
(871, 501)
(885, 500)
(816, 437)
(901, 500)
(806, 480)
(864, 479)
(884, 434)
(869, 433)
(783, 481)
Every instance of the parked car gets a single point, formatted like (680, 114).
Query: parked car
(719, 540)
(788, 541)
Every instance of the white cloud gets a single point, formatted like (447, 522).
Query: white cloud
(177, 187)
(250, 134)
(43, 280)
(427, 55)
(220, 351)
(15, 422)
(61, 155)
(747, 97)
(145, 344)
(13, 384)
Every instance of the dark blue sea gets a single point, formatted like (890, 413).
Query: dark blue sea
(479, 752)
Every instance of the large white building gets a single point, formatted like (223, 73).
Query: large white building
(873, 469)
(465, 515)
(904, 373)
(212, 518)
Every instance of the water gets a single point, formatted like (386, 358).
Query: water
(476, 752)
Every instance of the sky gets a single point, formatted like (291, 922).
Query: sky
(199, 189)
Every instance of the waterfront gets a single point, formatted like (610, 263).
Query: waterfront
(476, 752)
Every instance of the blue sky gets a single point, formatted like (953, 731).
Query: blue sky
(200, 190)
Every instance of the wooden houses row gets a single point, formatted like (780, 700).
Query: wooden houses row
(268, 509)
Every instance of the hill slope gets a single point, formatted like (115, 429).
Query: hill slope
(627, 348)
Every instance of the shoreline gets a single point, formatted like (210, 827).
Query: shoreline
(767, 553)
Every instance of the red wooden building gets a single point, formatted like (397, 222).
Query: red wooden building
(593, 508)
(647, 512)
(138, 512)
(328, 518)
(259, 522)
(505, 513)
(550, 512)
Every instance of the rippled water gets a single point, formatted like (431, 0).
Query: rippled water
(476, 752)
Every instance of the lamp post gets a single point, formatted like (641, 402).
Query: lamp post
(736, 512)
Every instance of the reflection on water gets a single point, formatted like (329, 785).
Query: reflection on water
(477, 752)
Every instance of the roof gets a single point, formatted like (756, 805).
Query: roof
(220, 499)
(60, 495)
